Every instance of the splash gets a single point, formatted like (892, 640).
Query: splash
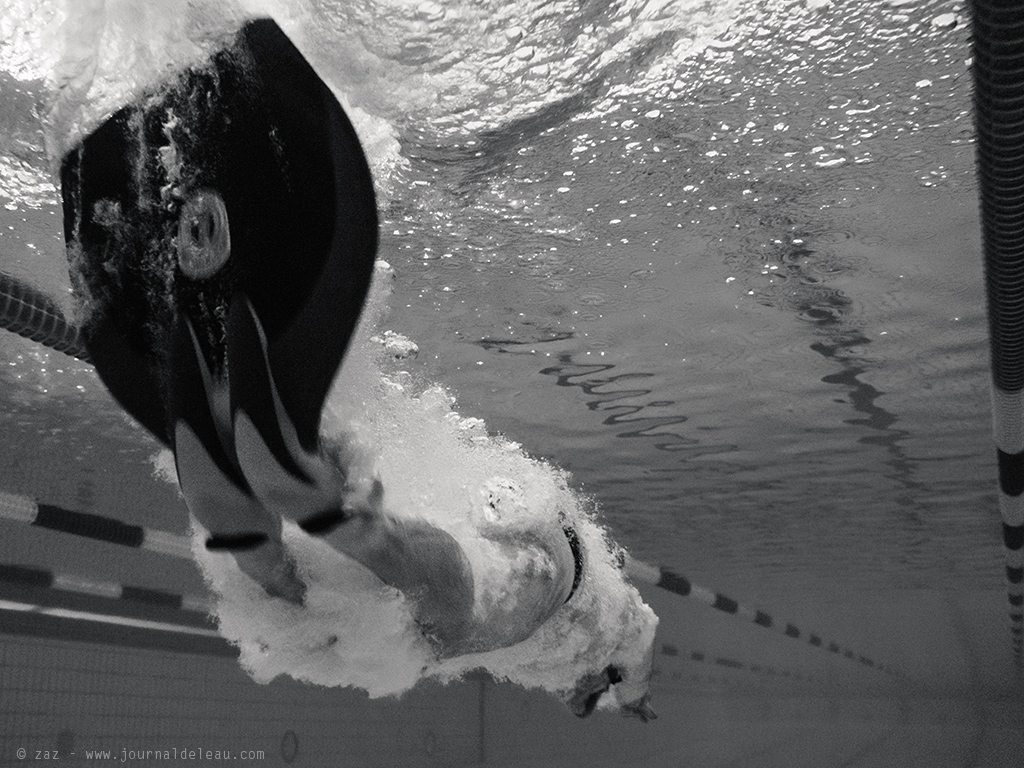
(93, 56)
(436, 465)
(403, 71)
(81, 60)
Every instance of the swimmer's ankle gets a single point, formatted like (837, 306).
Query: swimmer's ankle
(274, 569)
(286, 583)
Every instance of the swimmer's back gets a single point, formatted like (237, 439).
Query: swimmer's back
(539, 568)
(461, 610)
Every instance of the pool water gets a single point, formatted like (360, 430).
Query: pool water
(721, 262)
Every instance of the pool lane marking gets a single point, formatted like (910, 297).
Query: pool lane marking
(680, 585)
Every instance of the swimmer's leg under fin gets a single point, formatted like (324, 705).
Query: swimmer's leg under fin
(419, 559)
(214, 488)
(266, 441)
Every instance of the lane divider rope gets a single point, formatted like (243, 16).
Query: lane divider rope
(30, 576)
(127, 621)
(32, 314)
(680, 585)
(23, 509)
(701, 657)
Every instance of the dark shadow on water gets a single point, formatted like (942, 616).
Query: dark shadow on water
(863, 397)
(603, 391)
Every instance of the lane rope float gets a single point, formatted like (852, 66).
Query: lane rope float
(680, 585)
(32, 314)
(23, 509)
(998, 42)
(12, 575)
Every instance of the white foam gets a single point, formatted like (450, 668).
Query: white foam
(352, 631)
(103, 53)
(441, 467)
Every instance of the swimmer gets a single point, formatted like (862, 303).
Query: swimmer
(268, 221)
(242, 468)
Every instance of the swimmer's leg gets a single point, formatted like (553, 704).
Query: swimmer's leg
(215, 490)
(316, 490)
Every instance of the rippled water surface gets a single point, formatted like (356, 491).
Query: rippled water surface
(736, 291)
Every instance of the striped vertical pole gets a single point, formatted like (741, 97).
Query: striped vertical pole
(999, 116)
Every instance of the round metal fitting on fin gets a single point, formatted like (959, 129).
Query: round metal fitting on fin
(204, 241)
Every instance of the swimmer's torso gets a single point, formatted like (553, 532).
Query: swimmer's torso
(461, 607)
(534, 581)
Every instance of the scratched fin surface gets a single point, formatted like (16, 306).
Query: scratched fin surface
(257, 126)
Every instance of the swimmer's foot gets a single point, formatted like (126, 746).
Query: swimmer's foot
(286, 584)
(274, 570)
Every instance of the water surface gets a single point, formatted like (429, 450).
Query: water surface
(721, 262)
